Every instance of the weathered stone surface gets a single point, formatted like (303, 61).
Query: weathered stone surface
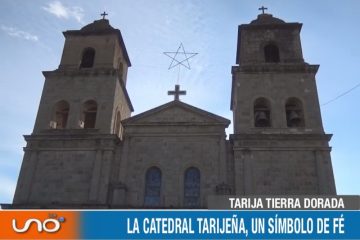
(105, 166)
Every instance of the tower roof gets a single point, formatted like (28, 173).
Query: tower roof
(266, 18)
(100, 27)
(264, 22)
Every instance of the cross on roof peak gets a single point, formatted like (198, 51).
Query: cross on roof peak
(263, 9)
(104, 14)
(177, 92)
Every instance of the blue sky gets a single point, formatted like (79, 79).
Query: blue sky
(31, 42)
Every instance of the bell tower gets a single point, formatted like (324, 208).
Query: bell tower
(88, 90)
(279, 143)
(78, 130)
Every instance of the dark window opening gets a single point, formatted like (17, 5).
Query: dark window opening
(271, 53)
(192, 187)
(87, 60)
(262, 113)
(294, 113)
(61, 115)
(152, 187)
(89, 114)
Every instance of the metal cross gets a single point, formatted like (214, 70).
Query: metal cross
(177, 92)
(263, 9)
(104, 14)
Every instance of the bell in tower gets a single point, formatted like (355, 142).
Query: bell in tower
(262, 113)
(281, 147)
(261, 120)
(294, 118)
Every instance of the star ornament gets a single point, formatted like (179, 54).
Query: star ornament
(180, 57)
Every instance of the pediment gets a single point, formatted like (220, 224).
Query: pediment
(176, 112)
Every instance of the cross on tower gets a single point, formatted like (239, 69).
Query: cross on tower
(104, 14)
(177, 92)
(263, 9)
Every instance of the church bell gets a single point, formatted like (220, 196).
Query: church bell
(261, 119)
(294, 118)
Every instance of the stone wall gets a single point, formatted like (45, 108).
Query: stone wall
(173, 155)
(66, 169)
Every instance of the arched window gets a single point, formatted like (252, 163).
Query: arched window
(262, 113)
(61, 114)
(88, 56)
(192, 187)
(152, 187)
(294, 113)
(89, 114)
(271, 52)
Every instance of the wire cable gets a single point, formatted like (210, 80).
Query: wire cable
(341, 95)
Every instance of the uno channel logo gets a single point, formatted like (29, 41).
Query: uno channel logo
(41, 225)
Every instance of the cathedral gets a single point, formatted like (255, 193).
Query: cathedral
(87, 151)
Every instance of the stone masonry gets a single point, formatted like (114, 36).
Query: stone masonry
(86, 151)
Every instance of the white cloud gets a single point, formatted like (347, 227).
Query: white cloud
(14, 32)
(60, 11)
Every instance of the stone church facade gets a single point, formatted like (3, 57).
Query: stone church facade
(86, 151)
